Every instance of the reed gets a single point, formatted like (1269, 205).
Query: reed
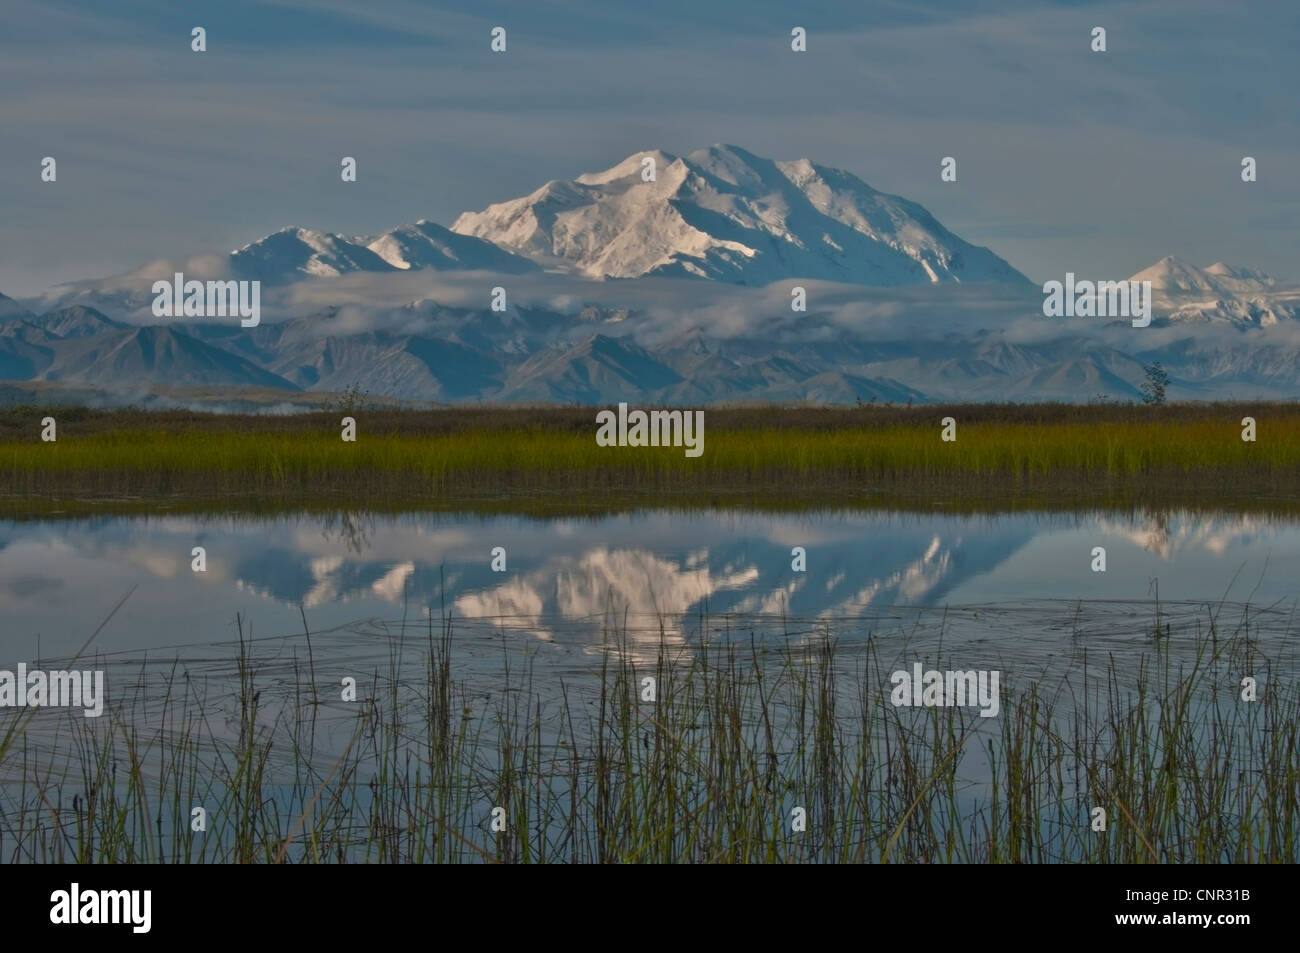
(742, 731)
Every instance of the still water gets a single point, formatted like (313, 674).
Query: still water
(1021, 586)
(537, 608)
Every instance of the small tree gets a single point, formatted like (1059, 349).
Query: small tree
(1153, 388)
(353, 399)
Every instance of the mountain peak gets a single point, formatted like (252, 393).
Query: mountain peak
(722, 212)
(1173, 276)
(629, 168)
(295, 252)
(77, 321)
(427, 244)
(1219, 293)
(1242, 274)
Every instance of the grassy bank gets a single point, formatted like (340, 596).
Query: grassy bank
(1048, 456)
(739, 736)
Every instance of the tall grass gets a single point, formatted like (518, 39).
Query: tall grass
(743, 731)
(1030, 457)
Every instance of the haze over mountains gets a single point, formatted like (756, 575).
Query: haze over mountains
(671, 288)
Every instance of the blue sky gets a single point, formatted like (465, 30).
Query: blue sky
(1067, 159)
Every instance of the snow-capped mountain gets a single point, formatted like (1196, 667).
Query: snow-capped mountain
(294, 253)
(727, 214)
(1173, 276)
(947, 321)
(427, 244)
(1182, 291)
(720, 213)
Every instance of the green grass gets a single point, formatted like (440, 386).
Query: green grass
(1053, 456)
(742, 732)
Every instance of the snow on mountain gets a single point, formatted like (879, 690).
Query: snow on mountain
(720, 213)
(1174, 277)
(1241, 279)
(294, 253)
(427, 244)
(1182, 291)
(726, 214)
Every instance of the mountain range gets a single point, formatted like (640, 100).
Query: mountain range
(617, 263)
(725, 214)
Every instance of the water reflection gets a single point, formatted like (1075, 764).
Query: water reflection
(57, 579)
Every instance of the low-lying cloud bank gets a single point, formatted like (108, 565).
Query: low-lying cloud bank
(436, 336)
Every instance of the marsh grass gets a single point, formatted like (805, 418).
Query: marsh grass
(546, 460)
(743, 730)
